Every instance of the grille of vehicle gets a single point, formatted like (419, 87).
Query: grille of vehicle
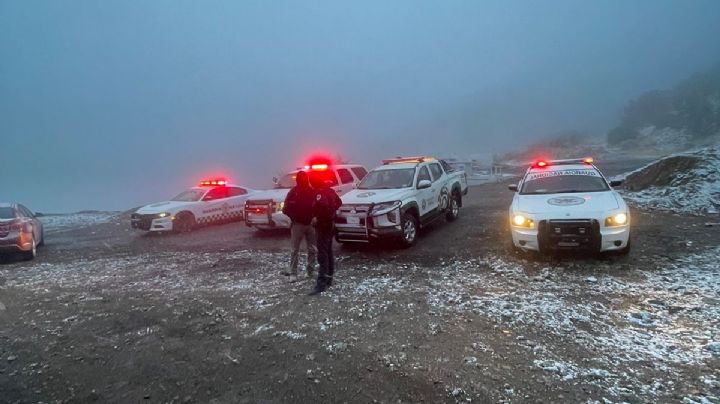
(4, 230)
(346, 211)
(141, 221)
(569, 234)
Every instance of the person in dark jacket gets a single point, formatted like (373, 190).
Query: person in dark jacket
(326, 204)
(298, 207)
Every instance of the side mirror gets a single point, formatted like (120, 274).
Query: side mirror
(424, 184)
(355, 184)
(513, 187)
(616, 183)
(38, 214)
(275, 180)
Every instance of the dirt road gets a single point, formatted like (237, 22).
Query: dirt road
(107, 314)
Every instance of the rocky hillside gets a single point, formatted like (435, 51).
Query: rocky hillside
(683, 117)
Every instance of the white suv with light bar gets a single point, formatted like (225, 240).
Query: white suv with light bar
(568, 205)
(213, 201)
(264, 210)
(395, 200)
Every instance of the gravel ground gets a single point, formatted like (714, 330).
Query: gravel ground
(108, 314)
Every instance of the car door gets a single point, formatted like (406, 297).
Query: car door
(212, 205)
(426, 197)
(439, 187)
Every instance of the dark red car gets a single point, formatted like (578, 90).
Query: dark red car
(20, 231)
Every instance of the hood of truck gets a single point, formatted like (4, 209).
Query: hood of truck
(567, 203)
(368, 196)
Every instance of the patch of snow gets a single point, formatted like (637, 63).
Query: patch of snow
(693, 191)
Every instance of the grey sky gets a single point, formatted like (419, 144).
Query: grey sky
(113, 104)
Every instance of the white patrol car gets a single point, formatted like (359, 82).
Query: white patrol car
(213, 201)
(568, 204)
(264, 209)
(396, 199)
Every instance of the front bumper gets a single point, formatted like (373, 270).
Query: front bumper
(353, 224)
(151, 222)
(575, 234)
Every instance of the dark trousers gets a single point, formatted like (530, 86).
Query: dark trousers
(326, 259)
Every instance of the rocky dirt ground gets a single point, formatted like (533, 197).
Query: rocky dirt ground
(106, 314)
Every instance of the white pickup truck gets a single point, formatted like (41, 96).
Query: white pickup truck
(395, 200)
(263, 210)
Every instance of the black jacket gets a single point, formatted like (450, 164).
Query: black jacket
(326, 204)
(299, 204)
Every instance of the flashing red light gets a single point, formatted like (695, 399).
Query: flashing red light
(212, 183)
(589, 160)
(319, 167)
(541, 163)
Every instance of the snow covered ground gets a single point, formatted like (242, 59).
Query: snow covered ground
(58, 222)
(692, 191)
(629, 333)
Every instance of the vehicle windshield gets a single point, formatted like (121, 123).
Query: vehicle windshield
(7, 213)
(286, 181)
(388, 179)
(191, 195)
(564, 181)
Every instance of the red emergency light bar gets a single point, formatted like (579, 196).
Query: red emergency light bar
(213, 183)
(317, 167)
(545, 163)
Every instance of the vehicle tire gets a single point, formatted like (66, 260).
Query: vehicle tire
(42, 239)
(454, 208)
(409, 229)
(30, 255)
(626, 250)
(184, 222)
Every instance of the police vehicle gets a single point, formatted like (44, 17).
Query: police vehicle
(263, 210)
(398, 198)
(212, 201)
(568, 204)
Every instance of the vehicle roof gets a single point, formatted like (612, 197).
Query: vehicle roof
(207, 187)
(396, 166)
(562, 167)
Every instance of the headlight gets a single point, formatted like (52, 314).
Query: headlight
(620, 219)
(280, 206)
(163, 214)
(385, 207)
(523, 221)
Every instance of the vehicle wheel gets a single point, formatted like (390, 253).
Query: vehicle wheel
(30, 255)
(454, 208)
(184, 222)
(410, 230)
(626, 249)
(42, 239)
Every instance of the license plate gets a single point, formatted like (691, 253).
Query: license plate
(257, 217)
(568, 244)
(353, 220)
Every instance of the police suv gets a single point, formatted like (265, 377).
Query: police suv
(213, 201)
(264, 209)
(568, 204)
(395, 200)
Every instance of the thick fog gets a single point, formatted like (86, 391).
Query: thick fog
(114, 104)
